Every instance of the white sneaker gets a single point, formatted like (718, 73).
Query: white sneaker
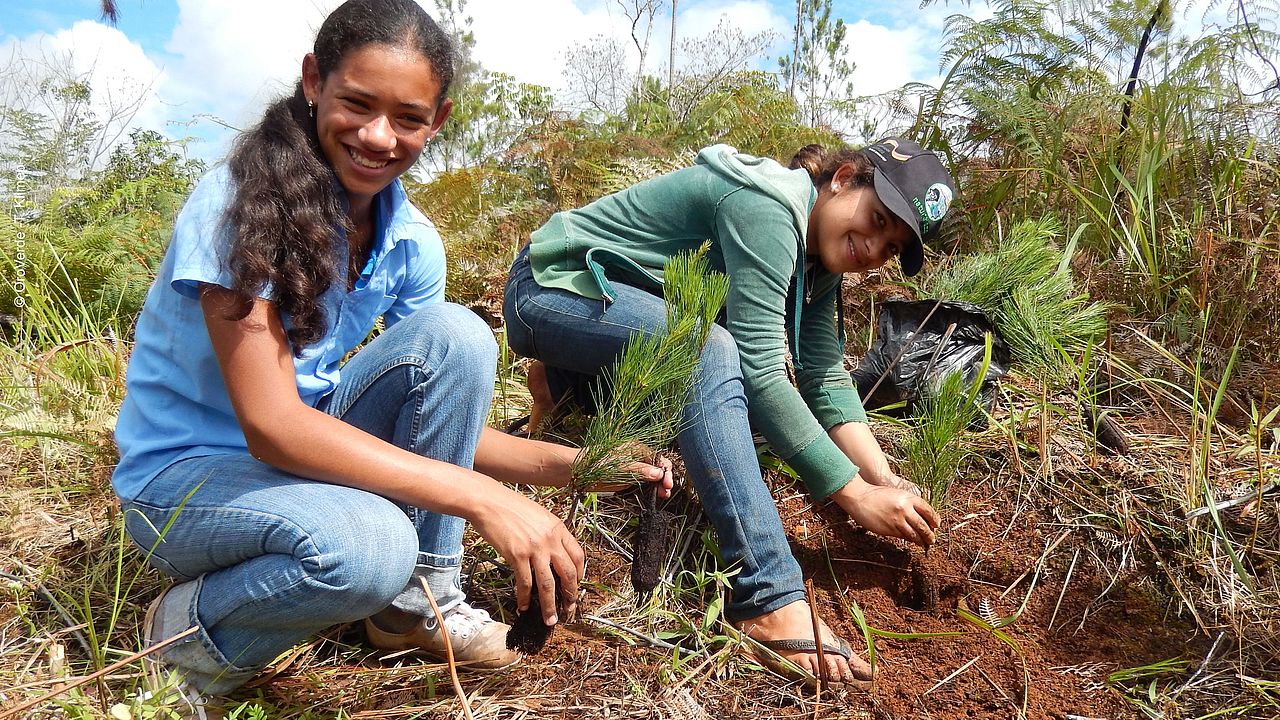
(478, 641)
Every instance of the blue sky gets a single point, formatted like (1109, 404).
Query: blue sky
(147, 22)
(200, 64)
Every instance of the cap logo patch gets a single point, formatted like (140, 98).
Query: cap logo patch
(936, 201)
(893, 147)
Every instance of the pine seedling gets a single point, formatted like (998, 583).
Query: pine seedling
(1026, 286)
(932, 454)
(644, 392)
(641, 400)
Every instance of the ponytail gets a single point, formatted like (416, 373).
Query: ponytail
(286, 216)
(822, 164)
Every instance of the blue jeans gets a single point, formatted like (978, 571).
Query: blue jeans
(272, 558)
(577, 337)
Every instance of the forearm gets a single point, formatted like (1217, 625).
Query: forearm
(519, 460)
(857, 442)
(309, 443)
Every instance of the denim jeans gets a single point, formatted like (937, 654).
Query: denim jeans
(272, 558)
(577, 337)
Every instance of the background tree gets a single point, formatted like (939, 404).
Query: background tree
(490, 109)
(640, 14)
(597, 78)
(55, 127)
(711, 62)
(817, 71)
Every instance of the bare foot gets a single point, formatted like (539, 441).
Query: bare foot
(540, 392)
(795, 622)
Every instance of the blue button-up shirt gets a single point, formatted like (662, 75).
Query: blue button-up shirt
(176, 405)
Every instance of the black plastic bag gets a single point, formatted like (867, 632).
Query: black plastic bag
(953, 339)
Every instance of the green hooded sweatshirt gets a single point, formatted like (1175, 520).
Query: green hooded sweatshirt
(755, 213)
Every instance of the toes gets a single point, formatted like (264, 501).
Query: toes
(837, 670)
(860, 669)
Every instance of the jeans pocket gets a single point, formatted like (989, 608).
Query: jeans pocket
(519, 331)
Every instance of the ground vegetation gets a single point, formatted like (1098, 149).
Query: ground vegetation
(1111, 522)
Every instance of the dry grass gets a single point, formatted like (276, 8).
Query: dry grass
(1124, 518)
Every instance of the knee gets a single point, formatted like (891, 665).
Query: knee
(720, 356)
(364, 559)
(719, 387)
(448, 334)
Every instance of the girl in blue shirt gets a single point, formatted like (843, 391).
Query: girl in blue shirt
(288, 491)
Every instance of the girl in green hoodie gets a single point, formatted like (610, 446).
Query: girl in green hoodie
(590, 279)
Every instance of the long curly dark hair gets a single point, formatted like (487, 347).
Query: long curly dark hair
(287, 212)
(822, 164)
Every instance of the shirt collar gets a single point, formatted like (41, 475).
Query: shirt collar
(391, 213)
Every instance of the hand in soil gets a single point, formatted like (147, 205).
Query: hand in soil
(795, 622)
(888, 511)
(537, 545)
(529, 634)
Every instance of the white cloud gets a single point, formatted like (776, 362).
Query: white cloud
(528, 40)
(123, 81)
(883, 58)
(751, 17)
(230, 57)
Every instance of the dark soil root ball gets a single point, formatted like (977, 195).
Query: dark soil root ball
(652, 544)
(528, 634)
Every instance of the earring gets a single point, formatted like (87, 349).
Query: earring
(311, 108)
(835, 187)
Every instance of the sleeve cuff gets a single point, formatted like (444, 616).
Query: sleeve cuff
(823, 467)
(837, 404)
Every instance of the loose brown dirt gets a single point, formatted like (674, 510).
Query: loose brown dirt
(991, 559)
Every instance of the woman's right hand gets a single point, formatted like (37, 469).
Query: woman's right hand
(888, 511)
(538, 547)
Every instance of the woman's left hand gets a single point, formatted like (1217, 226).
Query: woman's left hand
(888, 511)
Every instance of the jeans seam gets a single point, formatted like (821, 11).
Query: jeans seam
(747, 549)
(519, 298)
(369, 378)
(415, 423)
(206, 641)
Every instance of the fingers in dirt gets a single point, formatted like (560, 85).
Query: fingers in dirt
(546, 581)
(524, 585)
(569, 568)
(921, 534)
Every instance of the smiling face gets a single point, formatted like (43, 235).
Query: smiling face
(374, 113)
(851, 230)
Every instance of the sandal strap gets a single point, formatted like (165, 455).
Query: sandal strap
(808, 646)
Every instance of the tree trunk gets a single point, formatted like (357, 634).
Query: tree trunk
(795, 51)
(671, 55)
(1132, 86)
(1129, 91)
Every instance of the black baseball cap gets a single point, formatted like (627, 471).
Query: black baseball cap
(914, 185)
